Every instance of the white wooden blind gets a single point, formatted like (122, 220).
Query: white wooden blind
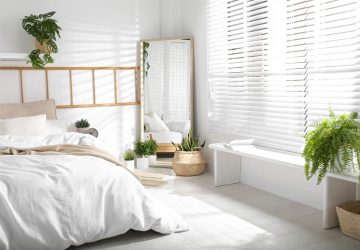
(276, 66)
(335, 60)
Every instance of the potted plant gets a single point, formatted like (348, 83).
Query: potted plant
(45, 30)
(129, 158)
(188, 159)
(142, 161)
(151, 148)
(82, 126)
(332, 146)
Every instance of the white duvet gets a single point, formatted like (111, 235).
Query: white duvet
(54, 201)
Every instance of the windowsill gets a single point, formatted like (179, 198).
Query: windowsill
(264, 154)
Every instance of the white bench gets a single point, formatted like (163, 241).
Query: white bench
(338, 188)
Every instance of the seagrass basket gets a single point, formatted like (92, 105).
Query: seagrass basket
(188, 163)
(349, 218)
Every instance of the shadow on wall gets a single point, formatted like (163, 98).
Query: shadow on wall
(92, 42)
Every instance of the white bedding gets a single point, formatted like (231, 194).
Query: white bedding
(54, 201)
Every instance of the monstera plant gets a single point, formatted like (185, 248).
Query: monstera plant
(45, 30)
(332, 146)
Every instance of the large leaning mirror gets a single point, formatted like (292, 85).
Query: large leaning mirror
(167, 77)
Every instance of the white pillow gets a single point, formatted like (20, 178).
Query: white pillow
(24, 126)
(155, 123)
(57, 126)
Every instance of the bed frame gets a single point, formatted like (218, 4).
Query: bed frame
(70, 70)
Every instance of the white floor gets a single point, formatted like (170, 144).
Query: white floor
(232, 217)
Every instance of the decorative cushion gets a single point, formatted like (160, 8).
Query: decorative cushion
(29, 109)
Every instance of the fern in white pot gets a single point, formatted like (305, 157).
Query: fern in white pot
(151, 147)
(142, 161)
(129, 158)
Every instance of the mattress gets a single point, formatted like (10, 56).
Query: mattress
(166, 136)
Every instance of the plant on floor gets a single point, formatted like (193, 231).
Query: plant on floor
(129, 155)
(189, 143)
(151, 146)
(45, 30)
(331, 146)
(83, 123)
(139, 148)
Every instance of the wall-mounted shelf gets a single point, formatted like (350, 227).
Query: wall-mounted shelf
(13, 57)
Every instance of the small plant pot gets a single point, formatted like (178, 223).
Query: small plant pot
(152, 160)
(44, 48)
(188, 163)
(82, 130)
(142, 163)
(130, 165)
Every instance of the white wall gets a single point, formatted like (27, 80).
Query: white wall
(285, 181)
(94, 33)
(106, 33)
(170, 20)
(194, 24)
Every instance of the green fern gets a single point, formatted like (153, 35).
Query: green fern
(150, 146)
(331, 146)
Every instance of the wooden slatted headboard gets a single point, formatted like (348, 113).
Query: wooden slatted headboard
(70, 72)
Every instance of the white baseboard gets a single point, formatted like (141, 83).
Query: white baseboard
(290, 192)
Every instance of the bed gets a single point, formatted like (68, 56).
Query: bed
(53, 199)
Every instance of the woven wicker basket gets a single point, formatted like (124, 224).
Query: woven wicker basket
(349, 218)
(188, 163)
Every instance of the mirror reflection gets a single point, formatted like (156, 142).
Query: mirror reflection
(167, 93)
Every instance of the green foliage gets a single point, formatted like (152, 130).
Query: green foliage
(83, 123)
(145, 148)
(151, 146)
(45, 30)
(189, 143)
(146, 55)
(331, 146)
(129, 155)
(39, 62)
(140, 148)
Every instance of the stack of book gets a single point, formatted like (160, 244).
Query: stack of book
(152, 179)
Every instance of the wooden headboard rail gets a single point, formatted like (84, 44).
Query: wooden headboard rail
(92, 69)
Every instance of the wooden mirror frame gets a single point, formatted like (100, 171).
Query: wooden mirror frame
(165, 147)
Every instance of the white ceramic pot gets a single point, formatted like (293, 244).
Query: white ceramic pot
(142, 163)
(82, 130)
(152, 160)
(130, 165)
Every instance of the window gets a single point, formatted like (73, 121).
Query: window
(276, 66)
